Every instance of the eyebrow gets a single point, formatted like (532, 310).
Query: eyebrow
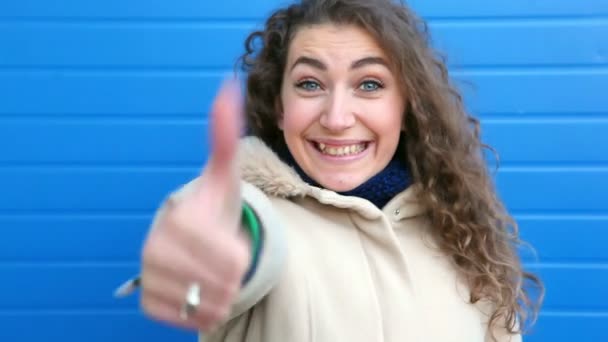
(317, 64)
(368, 61)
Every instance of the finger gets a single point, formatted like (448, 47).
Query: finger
(173, 288)
(226, 119)
(225, 255)
(205, 316)
(165, 312)
(219, 188)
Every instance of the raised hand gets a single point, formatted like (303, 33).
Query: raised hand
(196, 240)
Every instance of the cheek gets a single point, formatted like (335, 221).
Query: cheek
(298, 115)
(389, 124)
(398, 114)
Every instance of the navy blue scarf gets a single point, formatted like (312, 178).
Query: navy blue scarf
(379, 189)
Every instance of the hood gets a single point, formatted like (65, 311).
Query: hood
(262, 167)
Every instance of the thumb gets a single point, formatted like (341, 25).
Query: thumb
(226, 121)
(220, 185)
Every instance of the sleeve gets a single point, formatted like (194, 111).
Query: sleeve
(271, 257)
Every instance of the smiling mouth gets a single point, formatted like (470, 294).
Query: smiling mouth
(340, 150)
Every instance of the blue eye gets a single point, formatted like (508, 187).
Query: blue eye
(370, 85)
(308, 85)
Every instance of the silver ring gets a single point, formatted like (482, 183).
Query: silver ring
(191, 302)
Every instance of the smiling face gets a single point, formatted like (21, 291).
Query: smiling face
(342, 107)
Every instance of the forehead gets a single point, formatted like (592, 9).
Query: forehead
(333, 43)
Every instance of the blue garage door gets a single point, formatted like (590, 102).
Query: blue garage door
(103, 111)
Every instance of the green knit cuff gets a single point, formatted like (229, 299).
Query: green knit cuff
(251, 224)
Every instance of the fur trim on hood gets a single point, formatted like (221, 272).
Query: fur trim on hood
(261, 167)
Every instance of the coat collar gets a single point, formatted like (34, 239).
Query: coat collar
(262, 167)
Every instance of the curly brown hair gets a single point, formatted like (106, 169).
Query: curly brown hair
(443, 146)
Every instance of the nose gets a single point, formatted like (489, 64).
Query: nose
(337, 114)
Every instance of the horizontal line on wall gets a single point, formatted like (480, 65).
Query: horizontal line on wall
(46, 169)
(69, 166)
(199, 120)
(247, 23)
(69, 264)
(490, 20)
(76, 212)
(204, 71)
(593, 70)
(599, 265)
(116, 168)
(570, 313)
(574, 264)
(536, 167)
(540, 216)
(113, 215)
(136, 312)
(131, 72)
(258, 19)
(599, 214)
(229, 70)
(196, 117)
(68, 312)
(73, 216)
(531, 257)
(154, 69)
(528, 69)
(107, 117)
(170, 167)
(541, 119)
(551, 166)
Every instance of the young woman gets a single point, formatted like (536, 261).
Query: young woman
(359, 208)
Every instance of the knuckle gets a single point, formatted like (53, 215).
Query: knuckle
(147, 287)
(149, 250)
(205, 322)
(171, 203)
(215, 316)
(169, 218)
(227, 293)
(176, 220)
(235, 269)
(238, 262)
(153, 250)
(222, 313)
(177, 226)
(147, 306)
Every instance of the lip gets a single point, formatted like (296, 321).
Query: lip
(339, 143)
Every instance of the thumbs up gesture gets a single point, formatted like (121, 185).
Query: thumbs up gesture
(197, 244)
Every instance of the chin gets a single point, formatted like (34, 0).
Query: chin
(340, 186)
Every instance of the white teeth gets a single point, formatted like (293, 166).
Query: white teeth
(341, 151)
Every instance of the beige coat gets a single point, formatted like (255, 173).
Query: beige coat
(337, 268)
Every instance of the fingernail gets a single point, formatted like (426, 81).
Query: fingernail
(128, 287)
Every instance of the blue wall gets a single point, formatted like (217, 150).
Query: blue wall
(103, 111)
